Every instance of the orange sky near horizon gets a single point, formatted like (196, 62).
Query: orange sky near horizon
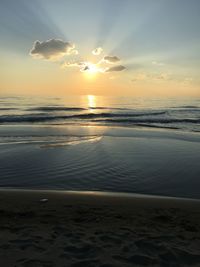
(108, 47)
(27, 76)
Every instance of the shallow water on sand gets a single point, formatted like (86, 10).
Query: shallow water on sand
(100, 158)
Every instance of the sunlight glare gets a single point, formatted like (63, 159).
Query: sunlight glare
(91, 70)
(91, 101)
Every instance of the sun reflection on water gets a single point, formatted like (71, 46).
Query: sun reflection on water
(91, 101)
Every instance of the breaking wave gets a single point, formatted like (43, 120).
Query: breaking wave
(183, 115)
(88, 116)
(52, 109)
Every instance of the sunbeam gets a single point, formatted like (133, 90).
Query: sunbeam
(54, 44)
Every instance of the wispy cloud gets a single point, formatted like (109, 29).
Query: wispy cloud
(157, 63)
(97, 51)
(72, 64)
(161, 77)
(52, 49)
(151, 77)
(86, 66)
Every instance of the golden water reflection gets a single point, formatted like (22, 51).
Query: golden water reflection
(91, 101)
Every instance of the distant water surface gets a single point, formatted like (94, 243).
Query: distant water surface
(149, 146)
(170, 113)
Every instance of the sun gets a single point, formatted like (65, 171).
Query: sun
(90, 70)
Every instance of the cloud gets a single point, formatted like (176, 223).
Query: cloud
(97, 51)
(140, 77)
(115, 68)
(111, 59)
(84, 66)
(72, 64)
(158, 63)
(187, 81)
(73, 52)
(151, 77)
(161, 76)
(90, 67)
(52, 49)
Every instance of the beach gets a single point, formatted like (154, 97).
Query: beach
(99, 186)
(100, 133)
(62, 228)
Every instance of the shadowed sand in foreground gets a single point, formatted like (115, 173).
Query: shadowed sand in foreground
(51, 228)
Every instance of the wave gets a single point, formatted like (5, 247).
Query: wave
(153, 120)
(59, 108)
(157, 126)
(8, 109)
(111, 108)
(94, 118)
(113, 115)
(45, 117)
(11, 97)
(186, 107)
(53, 108)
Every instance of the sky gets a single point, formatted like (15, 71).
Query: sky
(100, 47)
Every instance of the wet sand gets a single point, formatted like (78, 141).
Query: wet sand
(51, 228)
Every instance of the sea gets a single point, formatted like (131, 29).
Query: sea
(95, 143)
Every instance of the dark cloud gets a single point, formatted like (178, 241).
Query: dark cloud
(52, 49)
(111, 59)
(85, 68)
(115, 68)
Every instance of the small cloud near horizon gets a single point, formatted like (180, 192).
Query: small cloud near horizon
(151, 77)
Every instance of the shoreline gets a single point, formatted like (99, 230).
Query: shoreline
(55, 228)
(96, 194)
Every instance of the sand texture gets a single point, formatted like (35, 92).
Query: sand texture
(47, 229)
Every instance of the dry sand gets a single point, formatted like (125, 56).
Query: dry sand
(94, 229)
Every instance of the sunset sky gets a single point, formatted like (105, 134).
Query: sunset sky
(100, 47)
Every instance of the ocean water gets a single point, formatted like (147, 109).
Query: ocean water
(149, 146)
(171, 113)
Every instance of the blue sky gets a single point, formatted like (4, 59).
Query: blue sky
(139, 31)
(149, 25)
